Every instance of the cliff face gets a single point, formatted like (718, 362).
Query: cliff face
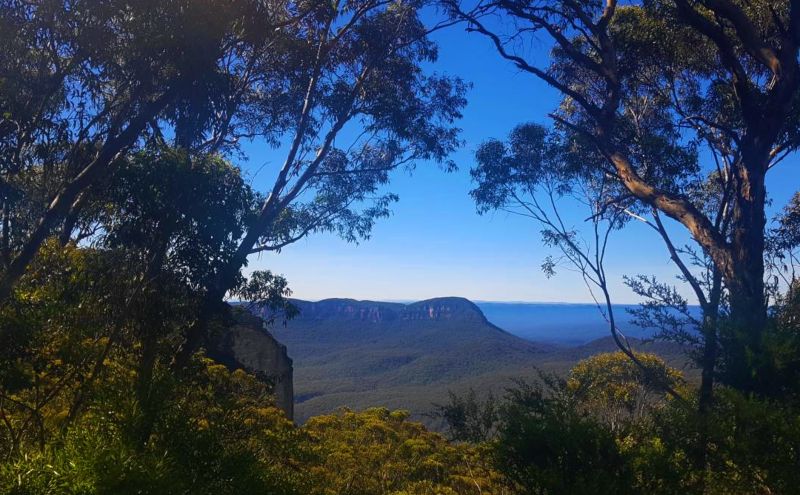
(248, 345)
(443, 308)
(346, 309)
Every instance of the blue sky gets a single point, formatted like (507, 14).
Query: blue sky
(435, 244)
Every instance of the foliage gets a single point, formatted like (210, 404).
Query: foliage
(378, 451)
(548, 444)
(469, 419)
(223, 436)
(55, 328)
(545, 437)
(193, 208)
(753, 448)
(617, 390)
(84, 83)
(551, 436)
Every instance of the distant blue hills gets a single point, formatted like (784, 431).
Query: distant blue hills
(563, 324)
(559, 323)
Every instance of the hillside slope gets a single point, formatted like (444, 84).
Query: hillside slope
(363, 353)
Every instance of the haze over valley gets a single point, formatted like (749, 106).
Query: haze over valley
(558, 323)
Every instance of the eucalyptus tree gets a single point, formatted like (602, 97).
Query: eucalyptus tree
(84, 82)
(360, 106)
(532, 174)
(642, 81)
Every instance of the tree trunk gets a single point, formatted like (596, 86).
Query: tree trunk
(710, 343)
(745, 277)
(143, 390)
(708, 375)
(150, 327)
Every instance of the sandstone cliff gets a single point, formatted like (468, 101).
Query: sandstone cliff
(247, 344)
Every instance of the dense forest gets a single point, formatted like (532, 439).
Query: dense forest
(126, 223)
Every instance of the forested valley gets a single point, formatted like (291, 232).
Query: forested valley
(127, 222)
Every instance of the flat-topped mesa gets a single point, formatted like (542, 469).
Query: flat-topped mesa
(441, 308)
(347, 309)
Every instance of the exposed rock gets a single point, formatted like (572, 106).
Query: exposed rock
(248, 345)
(442, 308)
(347, 309)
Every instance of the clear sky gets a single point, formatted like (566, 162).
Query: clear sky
(435, 244)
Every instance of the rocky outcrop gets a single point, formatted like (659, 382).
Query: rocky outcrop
(346, 309)
(248, 345)
(442, 308)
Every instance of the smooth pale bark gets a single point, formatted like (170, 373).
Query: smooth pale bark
(63, 201)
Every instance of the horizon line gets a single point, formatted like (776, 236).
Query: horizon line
(488, 301)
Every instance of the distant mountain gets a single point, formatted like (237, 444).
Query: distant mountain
(559, 323)
(365, 353)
